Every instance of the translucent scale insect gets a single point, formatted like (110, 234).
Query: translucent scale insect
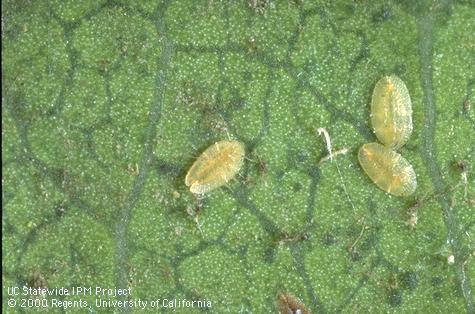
(218, 164)
(388, 169)
(391, 112)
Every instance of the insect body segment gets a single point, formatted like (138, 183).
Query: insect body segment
(391, 112)
(218, 164)
(388, 169)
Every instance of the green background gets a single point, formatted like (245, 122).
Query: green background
(106, 105)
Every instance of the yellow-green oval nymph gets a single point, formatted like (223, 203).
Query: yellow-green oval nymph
(218, 164)
(387, 169)
(391, 112)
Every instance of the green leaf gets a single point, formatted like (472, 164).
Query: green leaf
(106, 105)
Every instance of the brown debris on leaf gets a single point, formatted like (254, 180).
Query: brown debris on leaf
(36, 280)
(288, 304)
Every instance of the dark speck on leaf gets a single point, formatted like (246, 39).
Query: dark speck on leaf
(302, 156)
(279, 174)
(243, 250)
(313, 172)
(59, 209)
(297, 187)
(437, 296)
(466, 106)
(259, 6)
(248, 74)
(436, 281)
(329, 239)
(382, 15)
(409, 280)
(400, 69)
(269, 255)
(238, 103)
(355, 256)
(430, 236)
(164, 168)
(395, 297)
